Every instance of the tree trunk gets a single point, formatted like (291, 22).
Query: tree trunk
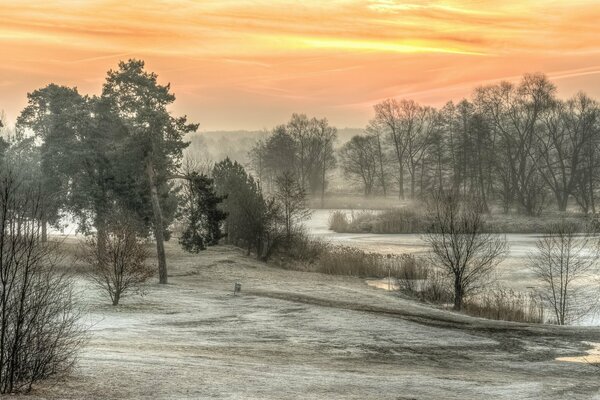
(44, 229)
(323, 183)
(458, 294)
(381, 173)
(158, 224)
(116, 299)
(401, 182)
(101, 238)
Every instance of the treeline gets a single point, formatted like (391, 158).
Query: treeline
(513, 145)
(516, 145)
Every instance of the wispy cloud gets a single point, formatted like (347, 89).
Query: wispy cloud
(263, 55)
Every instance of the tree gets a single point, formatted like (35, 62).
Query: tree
(277, 154)
(373, 129)
(154, 135)
(324, 137)
(53, 114)
(201, 214)
(461, 246)
(252, 221)
(359, 161)
(563, 263)
(291, 199)
(39, 323)
(569, 126)
(388, 116)
(514, 113)
(300, 130)
(120, 268)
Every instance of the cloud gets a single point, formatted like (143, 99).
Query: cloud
(284, 54)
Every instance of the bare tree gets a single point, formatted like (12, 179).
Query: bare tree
(122, 268)
(291, 199)
(39, 329)
(461, 246)
(514, 114)
(388, 115)
(376, 131)
(569, 127)
(358, 159)
(563, 262)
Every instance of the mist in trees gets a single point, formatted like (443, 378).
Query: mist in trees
(304, 146)
(517, 146)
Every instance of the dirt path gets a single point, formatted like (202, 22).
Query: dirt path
(295, 335)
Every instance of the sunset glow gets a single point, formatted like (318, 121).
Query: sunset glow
(242, 64)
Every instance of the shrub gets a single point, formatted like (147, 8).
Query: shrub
(118, 262)
(306, 249)
(338, 221)
(39, 323)
(407, 219)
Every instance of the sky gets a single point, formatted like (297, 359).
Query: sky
(249, 64)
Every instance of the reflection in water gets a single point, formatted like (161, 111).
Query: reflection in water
(592, 355)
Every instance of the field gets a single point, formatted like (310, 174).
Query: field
(299, 335)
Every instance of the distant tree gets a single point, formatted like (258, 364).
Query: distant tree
(325, 136)
(569, 127)
(299, 128)
(564, 262)
(377, 132)
(291, 199)
(155, 142)
(388, 117)
(359, 161)
(121, 268)
(201, 214)
(514, 113)
(460, 245)
(280, 154)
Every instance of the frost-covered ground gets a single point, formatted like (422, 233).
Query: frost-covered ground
(298, 335)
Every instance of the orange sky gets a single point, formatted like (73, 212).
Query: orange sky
(248, 64)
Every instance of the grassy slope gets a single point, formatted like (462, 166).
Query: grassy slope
(304, 335)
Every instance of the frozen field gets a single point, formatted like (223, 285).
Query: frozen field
(297, 335)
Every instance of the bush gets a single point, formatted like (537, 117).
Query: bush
(407, 219)
(39, 323)
(338, 221)
(421, 281)
(118, 262)
(305, 249)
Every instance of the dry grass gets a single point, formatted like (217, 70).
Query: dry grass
(407, 219)
(412, 219)
(506, 305)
